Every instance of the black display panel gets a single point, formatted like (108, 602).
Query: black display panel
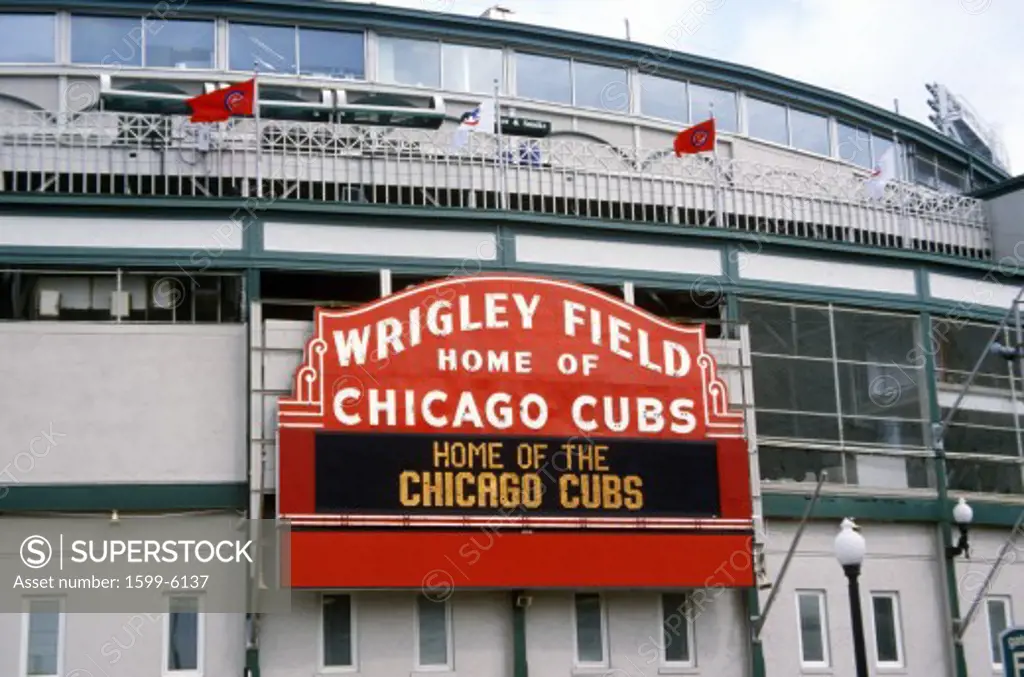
(515, 476)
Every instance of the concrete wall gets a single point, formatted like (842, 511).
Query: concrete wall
(102, 403)
(634, 633)
(482, 635)
(901, 559)
(127, 644)
(1009, 584)
(385, 635)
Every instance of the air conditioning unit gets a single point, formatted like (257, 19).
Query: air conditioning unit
(120, 303)
(49, 303)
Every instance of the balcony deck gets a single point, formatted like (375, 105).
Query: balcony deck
(117, 154)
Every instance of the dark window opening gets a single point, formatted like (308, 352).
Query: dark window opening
(105, 296)
(694, 306)
(294, 296)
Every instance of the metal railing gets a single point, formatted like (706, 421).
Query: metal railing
(104, 153)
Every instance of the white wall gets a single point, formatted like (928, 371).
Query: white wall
(900, 558)
(634, 633)
(482, 635)
(121, 403)
(385, 639)
(970, 575)
(127, 644)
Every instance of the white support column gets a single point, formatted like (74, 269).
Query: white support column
(629, 293)
(385, 282)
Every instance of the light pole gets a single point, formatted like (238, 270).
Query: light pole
(850, 549)
(962, 515)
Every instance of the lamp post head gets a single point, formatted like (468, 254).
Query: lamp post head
(962, 513)
(849, 545)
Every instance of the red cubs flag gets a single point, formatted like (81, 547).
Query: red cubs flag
(697, 139)
(219, 105)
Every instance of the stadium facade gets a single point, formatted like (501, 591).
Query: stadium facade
(159, 297)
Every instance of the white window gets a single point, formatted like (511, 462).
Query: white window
(1000, 617)
(591, 629)
(433, 634)
(676, 630)
(813, 626)
(42, 638)
(337, 633)
(885, 617)
(183, 636)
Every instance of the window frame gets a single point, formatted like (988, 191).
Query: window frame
(56, 39)
(739, 107)
(26, 617)
(826, 651)
(689, 625)
(626, 71)
(603, 614)
(213, 54)
(449, 664)
(200, 639)
(785, 120)
(227, 46)
(412, 38)
(142, 19)
(1007, 603)
(514, 58)
(298, 52)
(897, 623)
(353, 642)
(502, 77)
(297, 46)
(639, 96)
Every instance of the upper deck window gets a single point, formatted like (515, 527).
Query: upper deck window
(404, 61)
(723, 102)
(466, 68)
(142, 41)
(107, 40)
(544, 78)
(601, 87)
(663, 98)
(331, 54)
(766, 120)
(272, 49)
(27, 38)
(291, 50)
(854, 145)
(809, 132)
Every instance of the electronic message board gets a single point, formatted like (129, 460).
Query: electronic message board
(566, 424)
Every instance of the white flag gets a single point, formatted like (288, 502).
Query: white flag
(480, 119)
(883, 173)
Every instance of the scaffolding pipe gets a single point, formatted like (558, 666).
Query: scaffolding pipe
(789, 556)
(983, 591)
(940, 429)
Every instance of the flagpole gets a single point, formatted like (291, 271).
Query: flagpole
(259, 135)
(714, 164)
(903, 221)
(502, 173)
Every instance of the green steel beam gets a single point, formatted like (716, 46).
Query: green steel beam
(124, 497)
(943, 505)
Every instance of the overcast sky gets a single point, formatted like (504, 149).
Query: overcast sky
(874, 50)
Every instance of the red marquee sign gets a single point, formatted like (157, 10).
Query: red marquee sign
(586, 442)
